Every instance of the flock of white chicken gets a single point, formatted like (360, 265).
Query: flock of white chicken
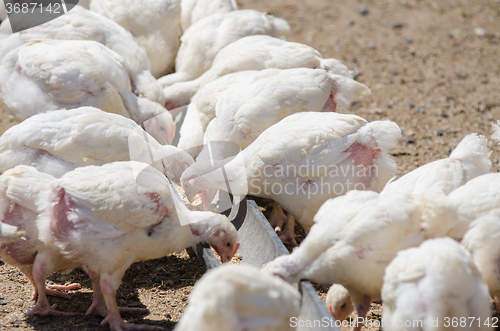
(92, 187)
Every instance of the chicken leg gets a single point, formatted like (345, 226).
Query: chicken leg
(98, 303)
(116, 323)
(287, 235)
(362, 305)
(283, 225)
(42, 306)
(52, 290)
(277, 218)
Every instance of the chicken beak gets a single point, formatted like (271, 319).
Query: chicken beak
(228, 258)
(338, 316)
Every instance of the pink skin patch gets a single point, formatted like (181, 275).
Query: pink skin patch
(364, 158)
(172, 133)
(21, 251)
(204, 200)
(280, 276)
(20, 71)
(363, 155)
(362, 252)
(60, 226)
(331, 103)
(160, 209)
(170, 105)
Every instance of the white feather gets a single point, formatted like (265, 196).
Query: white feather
(201, 42)
(432, 283)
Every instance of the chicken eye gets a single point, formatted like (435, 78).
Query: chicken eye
(228, 244)
(343, 306)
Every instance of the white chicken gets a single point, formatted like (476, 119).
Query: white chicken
(363, 236)
(364, 231)
(302, 161)
(9, 233)
(240, 298)
(59, 141)
(201, 110)
(250, 106)
(476, 198)
(53, 74)
(253, 53)
(109, 217)
(82, 24)
(464, 205)
(201, 42)
(155, 24)
(433, 287)
(20, 190)
(194, 10)
(483, 241)
(239, 107)
(468, 160)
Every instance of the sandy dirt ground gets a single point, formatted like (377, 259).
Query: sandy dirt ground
(433, 68)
